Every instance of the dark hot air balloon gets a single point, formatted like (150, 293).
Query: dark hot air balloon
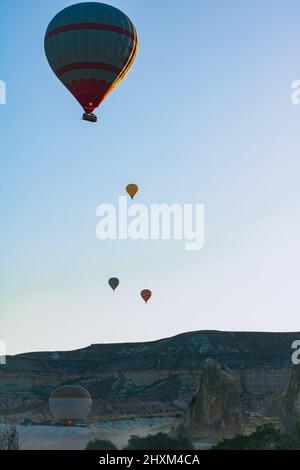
(146, 294)
(90, 47)
(113, 282)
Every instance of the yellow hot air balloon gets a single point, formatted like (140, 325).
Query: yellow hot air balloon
(132, 189)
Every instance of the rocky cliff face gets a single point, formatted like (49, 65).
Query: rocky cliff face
(290, 412)
(216, 409)
(153, 377)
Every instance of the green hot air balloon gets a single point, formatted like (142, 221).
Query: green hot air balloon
(113, 282)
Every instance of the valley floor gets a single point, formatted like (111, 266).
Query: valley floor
(74, 438)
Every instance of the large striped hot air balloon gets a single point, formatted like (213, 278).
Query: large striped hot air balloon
(90, 47)
(70, 404)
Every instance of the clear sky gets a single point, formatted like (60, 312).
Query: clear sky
(204, 116)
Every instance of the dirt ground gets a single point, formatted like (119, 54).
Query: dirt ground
(73, 438)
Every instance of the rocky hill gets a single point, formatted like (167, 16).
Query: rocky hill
(152, 377)
(216, 409)
(290, 413)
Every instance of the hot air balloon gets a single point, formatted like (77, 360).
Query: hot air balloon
(90, 47)
(146, 294)
(132, 189)
(113, 282)
(70, 404)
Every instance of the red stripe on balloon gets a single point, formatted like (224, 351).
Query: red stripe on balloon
(99, 26)
(146, 294)
(87, 65)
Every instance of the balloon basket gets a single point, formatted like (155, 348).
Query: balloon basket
(89, 117)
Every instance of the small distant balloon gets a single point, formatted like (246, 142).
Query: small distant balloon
(132, 189)
(113, 282)
(146, 294)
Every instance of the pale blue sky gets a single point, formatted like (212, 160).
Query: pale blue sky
(204, 116)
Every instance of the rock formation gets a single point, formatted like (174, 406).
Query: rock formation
(216, 409)
(290, 413)
(152, 377)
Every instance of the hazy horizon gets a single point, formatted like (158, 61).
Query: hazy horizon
(155, 340)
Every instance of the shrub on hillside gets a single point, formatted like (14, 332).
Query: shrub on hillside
(9, 438)
(266, 437)
(160, 441)
(100, 444)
